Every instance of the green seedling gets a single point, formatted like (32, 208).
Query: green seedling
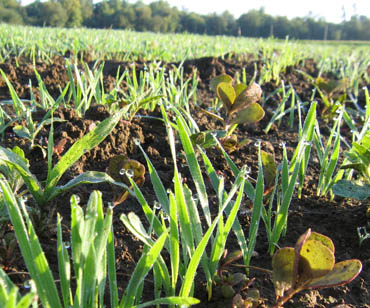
(44, 193)
(240, 103)
(358, 160)
(309, 265)
(32, 129)
(121, 168)
(226, 280)
(351, 189)
(11, 296)
(332, 93)
(10, 172)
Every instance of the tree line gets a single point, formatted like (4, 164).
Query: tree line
(159, 16)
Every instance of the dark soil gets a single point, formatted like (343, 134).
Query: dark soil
(337, 219)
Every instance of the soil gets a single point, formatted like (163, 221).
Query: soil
(338, 218)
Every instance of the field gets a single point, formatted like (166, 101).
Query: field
(84, 112)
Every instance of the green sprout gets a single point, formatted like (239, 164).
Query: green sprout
(309, 265)
(42, 194)
(240, 103)
(32, 129)
(358, 159)
(332, 93)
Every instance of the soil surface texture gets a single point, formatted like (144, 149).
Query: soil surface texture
(338, 218)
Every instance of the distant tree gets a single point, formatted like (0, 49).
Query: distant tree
(10, 12)
(124, 18)
(143, 19)
(215, 24)
(281, 27)
(87, 8)
(357, 28)
(164, 18)
(231, 27)
(251, 23)
(159, 16)
(74, 12)
(102, 16)
(10, 16)
(52, 14)
(193, 23)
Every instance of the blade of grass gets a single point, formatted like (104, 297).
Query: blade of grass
(141, 270)
(31, 250)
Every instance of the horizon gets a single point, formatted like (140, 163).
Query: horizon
(330, 11)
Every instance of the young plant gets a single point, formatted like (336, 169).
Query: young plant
(359, 160)
(328, 155)
(309, 265)
(10, 296)
(32, 129)
(240, 103)
(226, 280)
(330, 92)
(44, 194)
(120, 169)
(92, 247)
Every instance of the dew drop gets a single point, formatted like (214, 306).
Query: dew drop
(157, 205)
(282, 144)
(122, 171)
(130, 173)
(165, 216)
(257, 143)
(67, 245)
(136, 141)
(27, 285)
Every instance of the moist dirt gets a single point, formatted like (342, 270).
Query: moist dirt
(338, 218)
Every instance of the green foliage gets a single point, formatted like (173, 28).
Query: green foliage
(31, 130)
(240, 105)
(10, 296)
(351, 189)
(159, 16)
(238, 99)
(44, 194)
(333, 94)
(92, 245)
(52, 14)
(358, 159)
(309, 265)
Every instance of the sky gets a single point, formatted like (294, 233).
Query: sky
(330, 10)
